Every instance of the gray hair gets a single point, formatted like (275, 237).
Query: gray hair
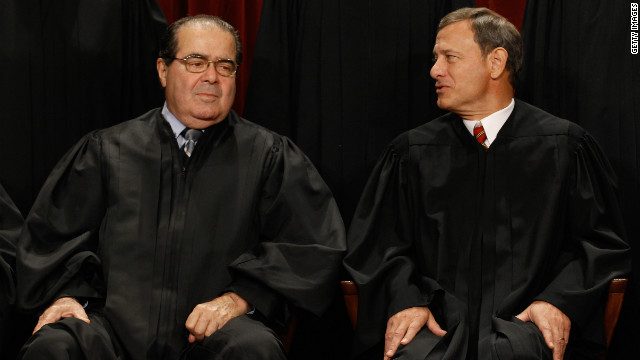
(491, 30)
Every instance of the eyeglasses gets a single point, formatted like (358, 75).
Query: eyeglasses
(198, 64)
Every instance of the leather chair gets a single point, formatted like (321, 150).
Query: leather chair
(617, 288)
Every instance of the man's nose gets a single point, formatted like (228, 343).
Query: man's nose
(437, 69)
(210, 75)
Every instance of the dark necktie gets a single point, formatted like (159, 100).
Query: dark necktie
(478, 132)
(191, 137)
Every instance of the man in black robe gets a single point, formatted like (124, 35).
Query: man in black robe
(10, 227)
(137, 230)
(491, 232)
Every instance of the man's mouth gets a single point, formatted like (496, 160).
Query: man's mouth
(440, 88)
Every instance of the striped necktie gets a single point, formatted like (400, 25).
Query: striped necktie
(478, 132)
(191, 137)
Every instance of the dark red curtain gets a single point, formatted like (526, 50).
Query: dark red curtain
(244, 15)
(511, 9)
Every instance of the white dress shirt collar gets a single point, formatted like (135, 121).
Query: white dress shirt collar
(492, 123)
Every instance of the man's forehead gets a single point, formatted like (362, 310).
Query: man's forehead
(198, 37)
(194, 32)
(453, 36)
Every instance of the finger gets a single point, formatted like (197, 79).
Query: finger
(434, 327)
(523, 316)
(212, 327)
(40, 324)
(201, 327)
(192, 339)
(558, 352)
(192, 320)
(548, 337)
(79, 314)
(558, 349)
(393, 338)
(560, 344)
(50, 315)
(412, 330)
(415, 327)
(567, 329)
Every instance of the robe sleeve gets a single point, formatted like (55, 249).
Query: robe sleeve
(380, 242)
(302, 237)
(595, 250)
(10, 227)
(57, 249)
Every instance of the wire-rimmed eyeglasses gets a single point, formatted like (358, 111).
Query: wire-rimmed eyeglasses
(199, 64)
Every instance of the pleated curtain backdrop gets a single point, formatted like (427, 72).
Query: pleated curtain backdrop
(69, 67)
(343, 78)
(578, 65)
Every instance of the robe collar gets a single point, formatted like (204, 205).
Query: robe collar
(492, 123)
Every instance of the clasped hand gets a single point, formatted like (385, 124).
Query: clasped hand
(208, 317)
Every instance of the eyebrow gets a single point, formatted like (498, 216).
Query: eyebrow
(446, 51)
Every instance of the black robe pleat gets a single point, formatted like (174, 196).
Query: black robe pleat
(121, 221)
(479, 235)
(10, 228)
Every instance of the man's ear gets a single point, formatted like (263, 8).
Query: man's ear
(498, 58)
(161, 66)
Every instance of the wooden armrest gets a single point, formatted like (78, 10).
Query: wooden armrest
(350, 294)
(617, 287)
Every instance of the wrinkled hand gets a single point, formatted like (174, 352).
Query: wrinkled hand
(403, 327)
(553, 324)
(208, 317)
(62, 308)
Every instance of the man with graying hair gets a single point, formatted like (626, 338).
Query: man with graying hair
(188, 232)
(491, 232)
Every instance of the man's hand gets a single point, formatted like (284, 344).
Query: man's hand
(208, 317)
(553, 324)
(403, 327)
(62, 308)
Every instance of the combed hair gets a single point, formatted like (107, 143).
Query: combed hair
(169, 41)
(491, 30)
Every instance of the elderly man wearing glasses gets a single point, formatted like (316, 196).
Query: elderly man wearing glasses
(188, 232)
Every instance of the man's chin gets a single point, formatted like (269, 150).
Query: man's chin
(202, 120)
(442, 104)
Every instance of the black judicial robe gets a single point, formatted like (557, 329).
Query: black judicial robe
(479, 235)
(10, 227)
(120, 220)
